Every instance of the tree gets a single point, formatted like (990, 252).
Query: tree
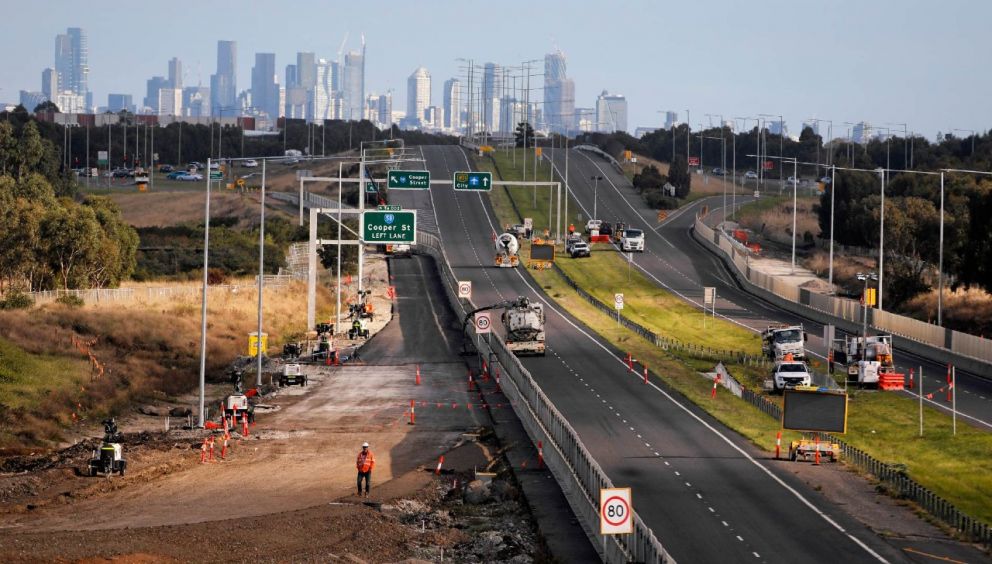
(649, 179)
(46, 106)
(71, 243)
(118, 244)
(524, 134)
(678, 176)
(30, 150)
(8, 145)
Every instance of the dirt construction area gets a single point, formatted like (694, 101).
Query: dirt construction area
(286, 489)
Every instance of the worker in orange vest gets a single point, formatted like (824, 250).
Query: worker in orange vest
(571, 228)
(365, 464)
(788, 357)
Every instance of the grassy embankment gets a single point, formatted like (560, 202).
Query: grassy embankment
(149, 348)
(883, 424)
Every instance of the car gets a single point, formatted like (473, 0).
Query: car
(750, 175)
(122, 173)
(250, 163)
(518, 230)
(789, 374)
(166, 168)
(189, 177)
(196, 164)
(719, 172)
(175, 174)
(215, 165)
(571, 240)
(606, 229)
(593, 225)
(579, 249)
(792, 179)
(632, 240)
(291, 161)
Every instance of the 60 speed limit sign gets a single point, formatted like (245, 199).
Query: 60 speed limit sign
(615, 513)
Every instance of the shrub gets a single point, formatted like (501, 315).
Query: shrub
(71, 300)
(16, 300)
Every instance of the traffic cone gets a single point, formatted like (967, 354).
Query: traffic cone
(413, 415)
(471, 383)
(715, 382)
(540, 454)
(778, 445)
(223, 450)
(497, 380)
(211, 447)
(911, 385)
(203, 452)
(645, 374)
(418, 374)
(439, 463)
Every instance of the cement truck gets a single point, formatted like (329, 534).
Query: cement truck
(506, 250)
(523, 321)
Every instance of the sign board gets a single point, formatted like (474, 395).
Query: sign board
(483, 322)
(618, 301)
(615, 512)
(709, 296)
(537, 151)
(693, 161)
(216, 175)
(370, 188)
(253, 343)
(465, 289)
(388, 226)
(528, 223)
(154, 156)
(102, 157)
(475, 181)
(409, 180)
(543, 252)
(828, 334)
(241, 183)
(870, 297)
(627, 155)
(389, 207)
(814, 411)
(768, 165)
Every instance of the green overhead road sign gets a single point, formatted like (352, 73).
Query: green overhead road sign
(474, 181)
(389, 226)
(370, 188)
(409, 179)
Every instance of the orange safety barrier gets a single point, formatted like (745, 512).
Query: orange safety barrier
(891, 381)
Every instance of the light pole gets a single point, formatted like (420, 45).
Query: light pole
(881, 238)
(734, 150)
(865, 277)
(972, 132)
(595, 195)
(688, 134)
(795, 168)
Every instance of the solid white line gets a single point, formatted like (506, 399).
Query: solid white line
(712, 429)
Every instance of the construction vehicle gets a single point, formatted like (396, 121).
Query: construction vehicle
(235, 405)
(506, 250)
(618, 229)
(358, 329)
(784, 342)
(109, 458)
(292, 374)
(867, 358)
(524, 324)
(806, 449)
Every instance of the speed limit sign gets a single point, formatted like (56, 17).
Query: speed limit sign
(615, 512)
(465, 289)
(483, 322)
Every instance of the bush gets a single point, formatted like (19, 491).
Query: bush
(71, 300)
(16, 300)
(657, 199)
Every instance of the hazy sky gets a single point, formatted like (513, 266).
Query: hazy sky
(924, 63)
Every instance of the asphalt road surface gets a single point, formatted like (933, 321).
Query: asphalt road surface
(675, 260)
(707, 493)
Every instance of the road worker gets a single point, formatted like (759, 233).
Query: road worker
(365, 464)
(788, 357)
(571, 228)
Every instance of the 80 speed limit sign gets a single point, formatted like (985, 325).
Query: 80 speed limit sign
(483, 322)
(615, 513)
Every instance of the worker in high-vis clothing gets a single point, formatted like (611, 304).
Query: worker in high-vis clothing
(365, 464)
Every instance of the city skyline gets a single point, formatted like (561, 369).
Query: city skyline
(757, 73)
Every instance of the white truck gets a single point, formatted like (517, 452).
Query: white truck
(506, 250)
(783, 342)
(524, 325)
(632, 240)
(866, 358)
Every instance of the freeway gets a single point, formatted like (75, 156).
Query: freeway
(707, 494)
(676, 261)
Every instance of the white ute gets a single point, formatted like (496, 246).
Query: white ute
(789, 374)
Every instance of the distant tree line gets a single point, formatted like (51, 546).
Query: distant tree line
(48, 239)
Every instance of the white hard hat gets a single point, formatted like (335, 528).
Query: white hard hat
(365, 444)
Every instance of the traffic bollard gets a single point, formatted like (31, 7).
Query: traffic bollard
(540, 454)
(413, 415)
(439, 463)
(816, 457)
(418, 374)
(645, 374)
(778, 445)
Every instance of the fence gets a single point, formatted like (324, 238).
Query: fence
(969, 352)
(578, 473)
(108, 295)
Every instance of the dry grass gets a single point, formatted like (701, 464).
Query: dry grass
(971, 309)
(149, 347)
(161, 209)
(771, 218)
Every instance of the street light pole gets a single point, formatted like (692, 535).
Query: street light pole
(881, 241)
(833, 188)
(203, 307)
(940, 260)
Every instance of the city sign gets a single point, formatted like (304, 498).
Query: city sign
(409, 180)
(389, 226)
(474, 181)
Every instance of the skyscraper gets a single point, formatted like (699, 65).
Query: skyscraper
(118, 102)
(452, 104)
(264, 88)
(559, 93)
(175, 73)
(49, 83)
(611, 112)
(418, 95)
(223, 84)
(353, 84)
(196, 101)
(492, 86)
(324, 97)
(671, 119)
(385, 109)
(72, 62)
(153, 85)
(299, 96)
